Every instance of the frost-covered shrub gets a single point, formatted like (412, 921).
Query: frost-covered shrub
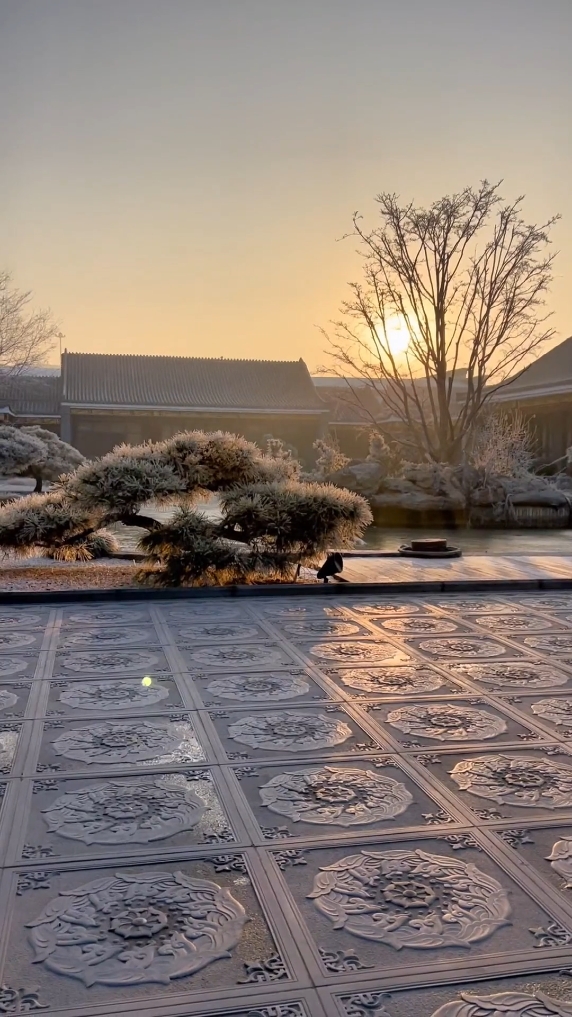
(271, 523)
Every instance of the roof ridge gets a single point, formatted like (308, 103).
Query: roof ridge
(166, 356)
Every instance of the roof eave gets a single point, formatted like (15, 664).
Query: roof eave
(193, 409)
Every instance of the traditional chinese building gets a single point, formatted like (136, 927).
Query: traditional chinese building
(26, 400)
(109, 399)
(544, 394)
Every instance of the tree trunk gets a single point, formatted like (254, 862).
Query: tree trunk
(38, 487)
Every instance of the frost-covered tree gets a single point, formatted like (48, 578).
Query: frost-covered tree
(271, 524)
(26, 336)
(35, 452)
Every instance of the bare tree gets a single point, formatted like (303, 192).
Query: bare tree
(466, 280)
(26, 336)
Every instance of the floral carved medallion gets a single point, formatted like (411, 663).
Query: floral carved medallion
(559, 711)
(126, 929)
(447, 722)
(387, 607)
(528, 781)
(335, 796)
(505, 1004)
(288, 731)
(462, 647)
(391, 680)
(237, 656)
(259, 688)
(10, 640)
(126, 811)
(560, 859)
(7, 699)
(356, 653)
(104, 637)
(467, 605)
(13, 621)
(411, 899)
(110, 661)
(112, 695)
(420, 624)
(550, 643)
(219, 630)
(514, 674)
(321, 627)
(510, 622)
(112, 742)
(106, 617)
(12, 665)
(547, 603)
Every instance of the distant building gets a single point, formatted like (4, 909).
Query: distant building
(544, 394)
(108, 399)
(28, 399)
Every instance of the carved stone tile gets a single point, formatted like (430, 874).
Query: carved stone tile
(107, 636)
(557, 643)
(475, 604)
(259, 688)
(349, 652)
(287, 731)
(322, 628)
(506, 675)
(288, 611)
(508, 783)
(548, 850)
(545, 602)
(102, 937)
(445, 722)
(23, 618)
(527, 995)
(112, 616)
(126, 743)
(419, 624)
(102, 663)
(227, 656)
(17, 667)
(463, 646)
(111, 696)
(552, 712)
(512, 624)
(203, 612)
(412, 680)
(219, 631)
(414, 905)
(382, 608)
(12, 639)
(117, 816)
(333, 799)
(13, 699)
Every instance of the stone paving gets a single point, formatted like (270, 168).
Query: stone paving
(288, 807)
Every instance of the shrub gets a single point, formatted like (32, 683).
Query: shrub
(35, 452)
(271, 523)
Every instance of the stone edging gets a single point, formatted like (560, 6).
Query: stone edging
(284, 590)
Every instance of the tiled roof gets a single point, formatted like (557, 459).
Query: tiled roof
(552, 370)
(31, 396)
(97, 379)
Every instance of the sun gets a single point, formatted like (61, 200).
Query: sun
(395, 334)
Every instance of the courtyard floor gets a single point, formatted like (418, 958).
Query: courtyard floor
(288, 807)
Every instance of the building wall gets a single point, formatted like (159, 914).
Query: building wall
(96, 432)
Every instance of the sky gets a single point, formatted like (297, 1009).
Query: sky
(176, 175)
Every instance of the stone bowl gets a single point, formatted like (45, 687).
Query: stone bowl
(429, 548)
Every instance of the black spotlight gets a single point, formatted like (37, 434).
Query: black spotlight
(333, 565)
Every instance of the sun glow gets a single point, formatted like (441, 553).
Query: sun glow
(395, 335)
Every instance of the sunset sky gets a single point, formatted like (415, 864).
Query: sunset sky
(175, 174)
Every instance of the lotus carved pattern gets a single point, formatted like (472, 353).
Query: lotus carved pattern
(335, 796)
(288, 731)
(447, 722)
(527, 781)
